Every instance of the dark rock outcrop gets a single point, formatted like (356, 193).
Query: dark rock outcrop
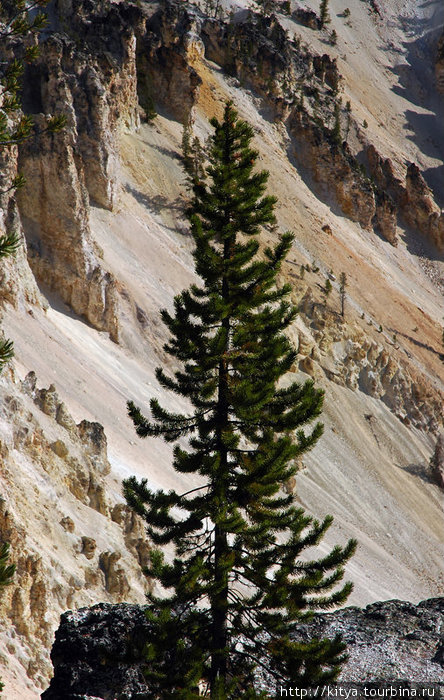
(99, 651)
(306, 17)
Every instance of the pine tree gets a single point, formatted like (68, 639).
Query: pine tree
(342, 287)
(326, 291)
(348, 115)
(186, 147)
(192, 154)
(336, 131)
(198, 170)
(238, 585)
(8, 245)
(6, 570)
(324, 17)
(266, 6)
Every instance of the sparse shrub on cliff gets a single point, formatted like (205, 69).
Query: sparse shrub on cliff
(213, 8)
(237, 585)
(267, 6)
(192, 154)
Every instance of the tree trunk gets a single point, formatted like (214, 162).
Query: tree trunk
(219, 602)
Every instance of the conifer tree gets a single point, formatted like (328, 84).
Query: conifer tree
(326, 290)
(239, 582)
(266, 6)
(348, 114)
(342, 288)
(336, 131)
(186, 147)
(324, 17)
(6, 570)
(192, 154)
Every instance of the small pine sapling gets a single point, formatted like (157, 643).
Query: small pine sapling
(336, 131)
(348, 119)
(324, 17)
(342, 287)
(326, 291)
(186, 148)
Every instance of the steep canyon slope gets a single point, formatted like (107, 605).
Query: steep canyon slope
(106, 246)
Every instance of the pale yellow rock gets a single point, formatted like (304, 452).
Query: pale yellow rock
(60, 449)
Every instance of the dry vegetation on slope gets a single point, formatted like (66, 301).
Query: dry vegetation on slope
(383, 396)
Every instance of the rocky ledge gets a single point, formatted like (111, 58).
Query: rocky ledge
(98, 651)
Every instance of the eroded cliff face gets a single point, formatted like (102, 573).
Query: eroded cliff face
(95, 87)
(346, 355)
(167, 48)
(131, 57)
(17, 285)
(72, 542)
(413, 196)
